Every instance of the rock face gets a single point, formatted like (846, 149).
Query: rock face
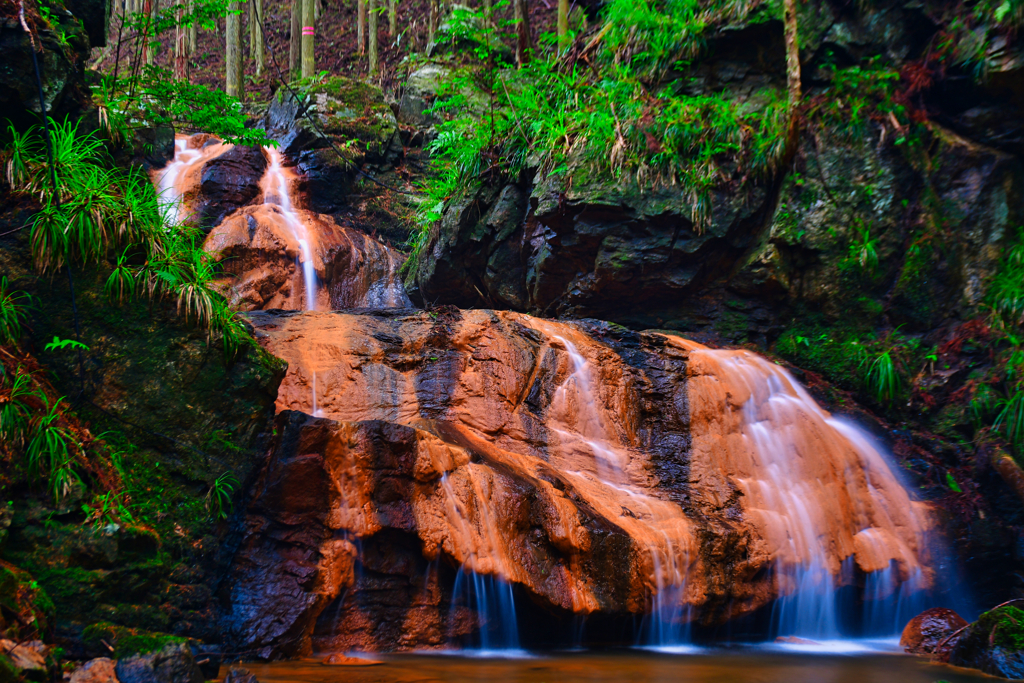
(595, 471)
(925, 631)
(229, 181)
(993, 644)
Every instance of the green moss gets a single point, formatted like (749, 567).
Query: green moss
(1005, 627)
(831, 351)
(127, 641)
(21, 595)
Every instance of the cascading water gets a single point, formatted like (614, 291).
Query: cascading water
(276, 190)
(576, 405)
(780, 449)
(172, 180)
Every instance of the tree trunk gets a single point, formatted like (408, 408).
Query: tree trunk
(373, 37)
(256, 24)
(361, 25)
(147, 49)
(489, 12)
(295, 41)
(793, 85)
(563, 25)
(233, 53)
(392, 18)
(193, 29)
(432, 22)
(180, 50)
(308, 58)
(524, 47)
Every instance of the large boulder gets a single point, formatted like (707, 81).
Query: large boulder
(994, 643)
(172, 664)
(925, 631)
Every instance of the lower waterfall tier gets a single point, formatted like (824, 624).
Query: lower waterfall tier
(421, 458)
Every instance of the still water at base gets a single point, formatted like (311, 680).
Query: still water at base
(718, 666)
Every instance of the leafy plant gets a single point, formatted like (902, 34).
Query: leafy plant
(17, 410)
(864, 250)
(881, 376)
(13, 312)
(59, 344)
(218, 498)
(52, 449)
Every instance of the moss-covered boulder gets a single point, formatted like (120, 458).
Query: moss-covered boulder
(127, 641)
(994, 643)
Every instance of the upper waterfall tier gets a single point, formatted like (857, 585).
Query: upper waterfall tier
(274, 253)
(600, 471)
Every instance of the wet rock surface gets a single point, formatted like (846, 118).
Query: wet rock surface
(924, 632)
(994, 643)
(229, 182)
(569, 461)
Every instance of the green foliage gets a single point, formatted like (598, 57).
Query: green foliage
(13, 313)
(59, 344)
(881, 376)
(1006, 293)
(104, 210)
(218, 498)
(607, 120)
(855, 95)
(52, 448)
(16, 412)
(864, 250)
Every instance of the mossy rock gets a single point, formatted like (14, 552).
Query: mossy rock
(127, 641)
(24, 602)
(994, 643)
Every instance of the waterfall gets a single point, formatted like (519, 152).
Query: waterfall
(576, 405)
(818, 487)
(173, 180)
(276, 191)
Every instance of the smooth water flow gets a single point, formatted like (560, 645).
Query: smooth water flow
(275, 186)
(823, 523)
(576, 403)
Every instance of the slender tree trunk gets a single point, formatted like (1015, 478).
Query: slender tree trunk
(256, 23)
(308, 22)
(489, 12)
(193, 30)
(392, 18)
(432, 23)
(295, 41)
(373, 37)
(563, 25)
(793, 85)
(524, 48)
(361, 25)
(233, 53)
(180, 50)
(147, 49)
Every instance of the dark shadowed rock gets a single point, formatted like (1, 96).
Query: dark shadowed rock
(237, 674)
(229, 182)
(925, 631)
(172, 664)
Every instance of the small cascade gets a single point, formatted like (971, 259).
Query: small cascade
(490, 599)
(175, 180)
(817, 486)
(276, 190)
(576, 412)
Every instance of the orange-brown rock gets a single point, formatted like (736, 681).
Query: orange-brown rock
(594, 469)
(260, 254)
(342, 660)
(929, 628)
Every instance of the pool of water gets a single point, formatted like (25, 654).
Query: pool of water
(729, 665)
